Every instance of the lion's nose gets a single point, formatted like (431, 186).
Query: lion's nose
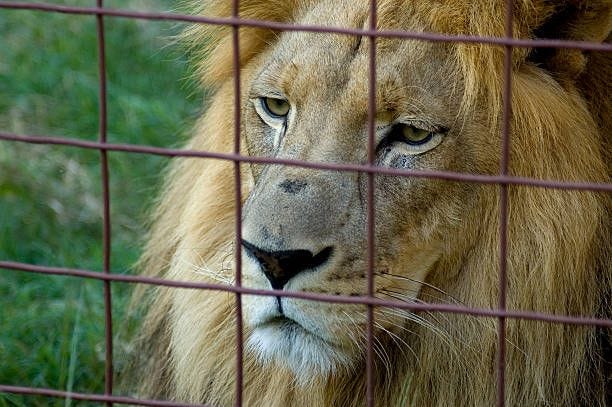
(281, 266)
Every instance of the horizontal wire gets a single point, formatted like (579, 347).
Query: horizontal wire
(361, 300)
(228, 21)
(37, 391)
(431, 174)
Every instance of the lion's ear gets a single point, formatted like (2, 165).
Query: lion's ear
(579, 20)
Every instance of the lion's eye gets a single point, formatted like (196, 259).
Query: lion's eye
(411, 139)
(414, 136)
(277, 108)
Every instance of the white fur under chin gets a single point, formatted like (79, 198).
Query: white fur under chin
(287, 344)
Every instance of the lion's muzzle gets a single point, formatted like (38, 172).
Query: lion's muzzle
(295, 220)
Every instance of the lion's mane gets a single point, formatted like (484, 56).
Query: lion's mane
(559, 258)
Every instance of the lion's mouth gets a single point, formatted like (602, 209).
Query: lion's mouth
(306, 350)
(284, 324)
(292, 329)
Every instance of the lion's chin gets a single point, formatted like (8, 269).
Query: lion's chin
(283, 342)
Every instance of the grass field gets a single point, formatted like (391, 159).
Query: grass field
(52, 328)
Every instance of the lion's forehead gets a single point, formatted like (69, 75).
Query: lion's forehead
(327, 69)
(333, 74)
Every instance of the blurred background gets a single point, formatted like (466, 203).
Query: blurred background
(52, 328)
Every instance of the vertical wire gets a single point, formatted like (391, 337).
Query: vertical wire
(106, 228)
(503, 208)
(370, 206)
(238, 221)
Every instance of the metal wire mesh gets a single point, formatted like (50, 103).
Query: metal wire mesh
(503, 180)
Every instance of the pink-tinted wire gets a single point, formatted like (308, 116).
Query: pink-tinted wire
(445, 175)
(238, 204)
(339, 299)
(503, 209)
(245, 22)
(106, 221)
(371, 206)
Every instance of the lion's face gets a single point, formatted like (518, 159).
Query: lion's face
(304, 96)
(305, 230)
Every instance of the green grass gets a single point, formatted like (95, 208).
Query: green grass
(52, 328)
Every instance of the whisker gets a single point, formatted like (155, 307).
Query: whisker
(387, 358)
(433, 287)
(207, 271)
(406, 298)
(417, 319)
(355, 324)
(441, 334)
(395, 337)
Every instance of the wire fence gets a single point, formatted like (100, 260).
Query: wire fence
(503, 179)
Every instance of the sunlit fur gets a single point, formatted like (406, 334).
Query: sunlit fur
(558, 260)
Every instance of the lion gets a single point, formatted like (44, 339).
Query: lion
(304, 96)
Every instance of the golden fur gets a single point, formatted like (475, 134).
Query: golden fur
(559, 258)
